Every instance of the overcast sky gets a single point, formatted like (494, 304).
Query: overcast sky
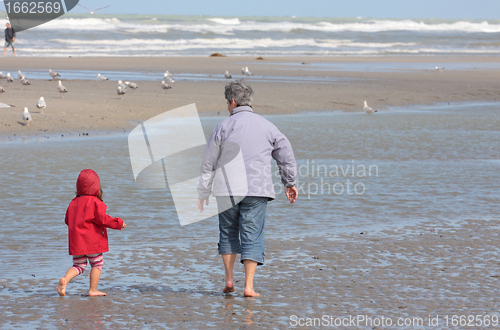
(454, 9)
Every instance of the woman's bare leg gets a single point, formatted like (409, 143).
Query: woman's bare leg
(250, 267)
(228, 266)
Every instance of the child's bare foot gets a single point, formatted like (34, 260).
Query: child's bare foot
(61, 287)
(94, 293)
(229, 287)
(250, 293)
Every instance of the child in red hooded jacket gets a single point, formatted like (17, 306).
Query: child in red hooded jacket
(87, 221)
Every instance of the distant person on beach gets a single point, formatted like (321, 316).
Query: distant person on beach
(10, 37)
(241, 223)
(87, 222)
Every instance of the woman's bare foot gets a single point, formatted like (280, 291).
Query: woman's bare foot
(61, 287)
(250, 293)
(94, 293)
(229, 287)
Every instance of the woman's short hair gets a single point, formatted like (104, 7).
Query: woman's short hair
(241, 93)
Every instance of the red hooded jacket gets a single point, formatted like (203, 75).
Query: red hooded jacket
(87, 219)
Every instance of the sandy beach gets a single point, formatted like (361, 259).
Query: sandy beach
(421, 245)
(90, 106)
(413, 274)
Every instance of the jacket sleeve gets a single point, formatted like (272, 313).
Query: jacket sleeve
(104, 220)
(66, 217)
(283, 154)
(208, 166)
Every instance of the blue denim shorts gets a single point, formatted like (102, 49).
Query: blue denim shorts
(9, 43)
(241, 229)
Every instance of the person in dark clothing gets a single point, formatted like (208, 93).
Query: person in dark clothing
(10, 37)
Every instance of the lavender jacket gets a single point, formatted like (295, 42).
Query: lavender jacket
(237, 159)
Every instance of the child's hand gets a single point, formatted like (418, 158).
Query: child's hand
(124, 225)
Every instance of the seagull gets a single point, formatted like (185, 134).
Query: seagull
(122, 85)
(9, 77)
(2, 76)
(131, 85)
(101, 78)
(25, 81)
(164, 85)
(20, 75)
(27, 116)
(92, 12)
(439, 69)
(2, 89)
(247, 72)
(242, 70)
(53, 74)
(61, 88)
(167, 76)
(227, 75)
(41, 104)
(367, 109)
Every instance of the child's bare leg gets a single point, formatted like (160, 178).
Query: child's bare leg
(63, 281)
(95, 275)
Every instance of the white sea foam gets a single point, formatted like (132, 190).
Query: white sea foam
(81, 24)
(160, 35)
(225, 21)
(230, 26)
(234, 46)
(231, 43)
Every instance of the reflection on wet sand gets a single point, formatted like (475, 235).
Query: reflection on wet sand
(402, 247)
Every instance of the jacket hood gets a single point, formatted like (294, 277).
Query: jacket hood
(88, 183)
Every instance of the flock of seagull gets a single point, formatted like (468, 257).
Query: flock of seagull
(40, 104)
(121, 88)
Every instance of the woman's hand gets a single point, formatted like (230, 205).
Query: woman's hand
(124, 225)
(200, 204)
(291, 194)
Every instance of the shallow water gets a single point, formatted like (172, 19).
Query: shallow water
(422, 165)
(180, 76)
(406, 66)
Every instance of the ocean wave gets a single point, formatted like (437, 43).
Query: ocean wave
(230, 26)
(140, 35)
(82, 24)
(159, 51)
(235, 46)
(228, 43)
(225, 21)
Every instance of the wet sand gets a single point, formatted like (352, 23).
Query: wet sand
(90, 106)
(431, 269)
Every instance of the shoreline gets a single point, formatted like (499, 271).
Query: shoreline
(113, 133)
(90, 106)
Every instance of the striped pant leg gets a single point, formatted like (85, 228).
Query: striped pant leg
(80, 263)
(96, 260)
